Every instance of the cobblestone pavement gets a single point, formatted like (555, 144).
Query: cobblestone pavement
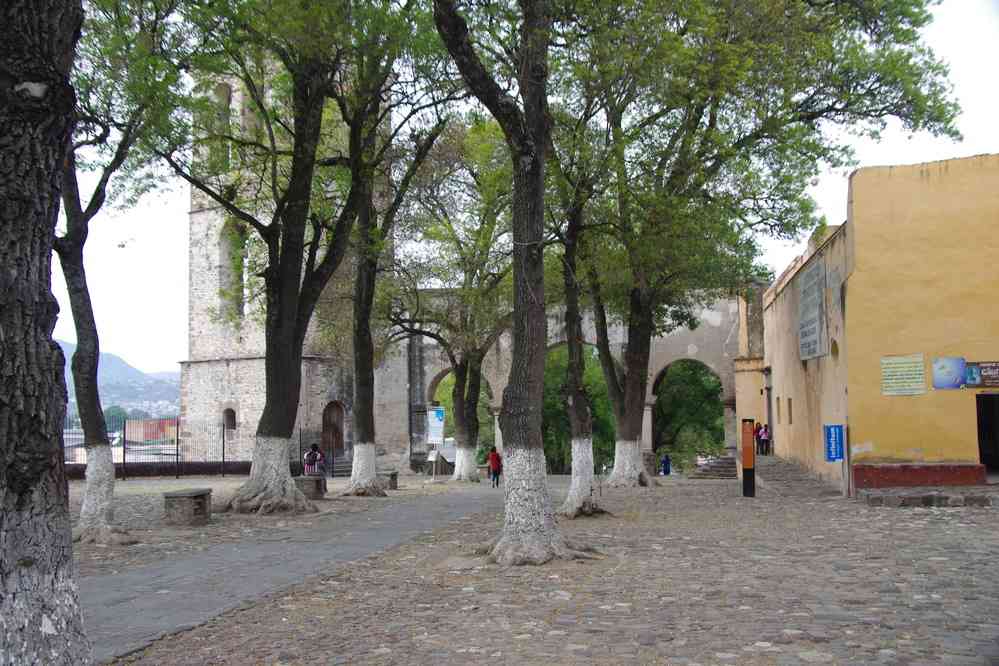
(138, 506)
(691, 573)
(127, 610)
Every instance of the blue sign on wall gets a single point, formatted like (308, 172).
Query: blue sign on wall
(834, 442)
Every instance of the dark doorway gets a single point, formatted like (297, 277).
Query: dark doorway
(333, 429)
(229, 419)
(988, 431)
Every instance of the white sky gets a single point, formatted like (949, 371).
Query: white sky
(137, 259)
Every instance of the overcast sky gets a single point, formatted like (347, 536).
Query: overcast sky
(137, 259)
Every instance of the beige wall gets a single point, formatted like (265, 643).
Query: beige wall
(926, 281)
(808, 394)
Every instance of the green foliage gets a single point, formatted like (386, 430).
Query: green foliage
(711, 126)
(555, 420)
(443, 395)
(115, 416)
(128, 89)
(689, 414)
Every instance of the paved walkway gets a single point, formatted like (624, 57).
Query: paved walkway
(128, 610)
(691, 573)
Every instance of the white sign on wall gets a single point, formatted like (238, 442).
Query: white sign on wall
(435, 426)
(811, 311)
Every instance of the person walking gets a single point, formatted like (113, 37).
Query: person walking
(756, 437)
(765, 440)
(495, 463)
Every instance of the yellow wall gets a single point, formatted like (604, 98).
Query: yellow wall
(926, 280)
(816, 387)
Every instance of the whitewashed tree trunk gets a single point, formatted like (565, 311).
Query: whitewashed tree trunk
(580, 497)
(465, 468)
(364, 472)
(629, 472)
(530, 534)
(270, 487)
(97, 512)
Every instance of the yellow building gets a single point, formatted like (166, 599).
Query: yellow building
(889, 326)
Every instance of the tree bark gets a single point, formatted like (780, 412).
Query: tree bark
(627, 389)
(289, 309)
(579, 500)
(465, 400)
(530, 534)
(97, 513)
(364, 473)
(40, 618)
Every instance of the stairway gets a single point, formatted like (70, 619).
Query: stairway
(342, 467)
(716, 468)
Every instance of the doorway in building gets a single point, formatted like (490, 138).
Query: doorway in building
(333, 429)
(988, 434)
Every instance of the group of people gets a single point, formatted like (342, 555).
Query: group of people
(762, 435)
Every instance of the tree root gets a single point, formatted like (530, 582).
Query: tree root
(587, 508)
(513, 551)
(643, 480)
(365, 489)
(258, 497)
(103, 534)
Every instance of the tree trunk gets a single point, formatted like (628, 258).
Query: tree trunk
(364, 473)
(580, 497)
(530, 534)
(270, 486)
(40, 618)
(97, 513)
(628, 468)
(465, 399)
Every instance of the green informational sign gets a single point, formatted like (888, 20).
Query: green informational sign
(903, 375)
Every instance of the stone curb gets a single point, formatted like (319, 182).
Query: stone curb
(894, 497)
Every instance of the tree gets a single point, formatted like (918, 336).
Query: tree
(715, 138)
(40, 618)
(579, 159)
(400, 80)
(124, 84)
(116, 415)
(530, 533)
(459, 219)
(556, 424)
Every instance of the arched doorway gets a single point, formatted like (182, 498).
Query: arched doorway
(333, 417)
(689, 413)
(229, 419)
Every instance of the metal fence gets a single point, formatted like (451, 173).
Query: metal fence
(177, 447)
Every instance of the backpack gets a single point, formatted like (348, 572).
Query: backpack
(311, 458)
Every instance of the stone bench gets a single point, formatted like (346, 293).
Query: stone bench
(390, 480)
(192, 506)
(313, 487)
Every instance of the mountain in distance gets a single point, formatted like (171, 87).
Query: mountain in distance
(121, 384)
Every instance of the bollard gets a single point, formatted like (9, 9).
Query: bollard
(748, 459)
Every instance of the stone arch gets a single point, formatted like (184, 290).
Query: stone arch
(229, 418)
(435, 381)
(727, 398)
(657, 382)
